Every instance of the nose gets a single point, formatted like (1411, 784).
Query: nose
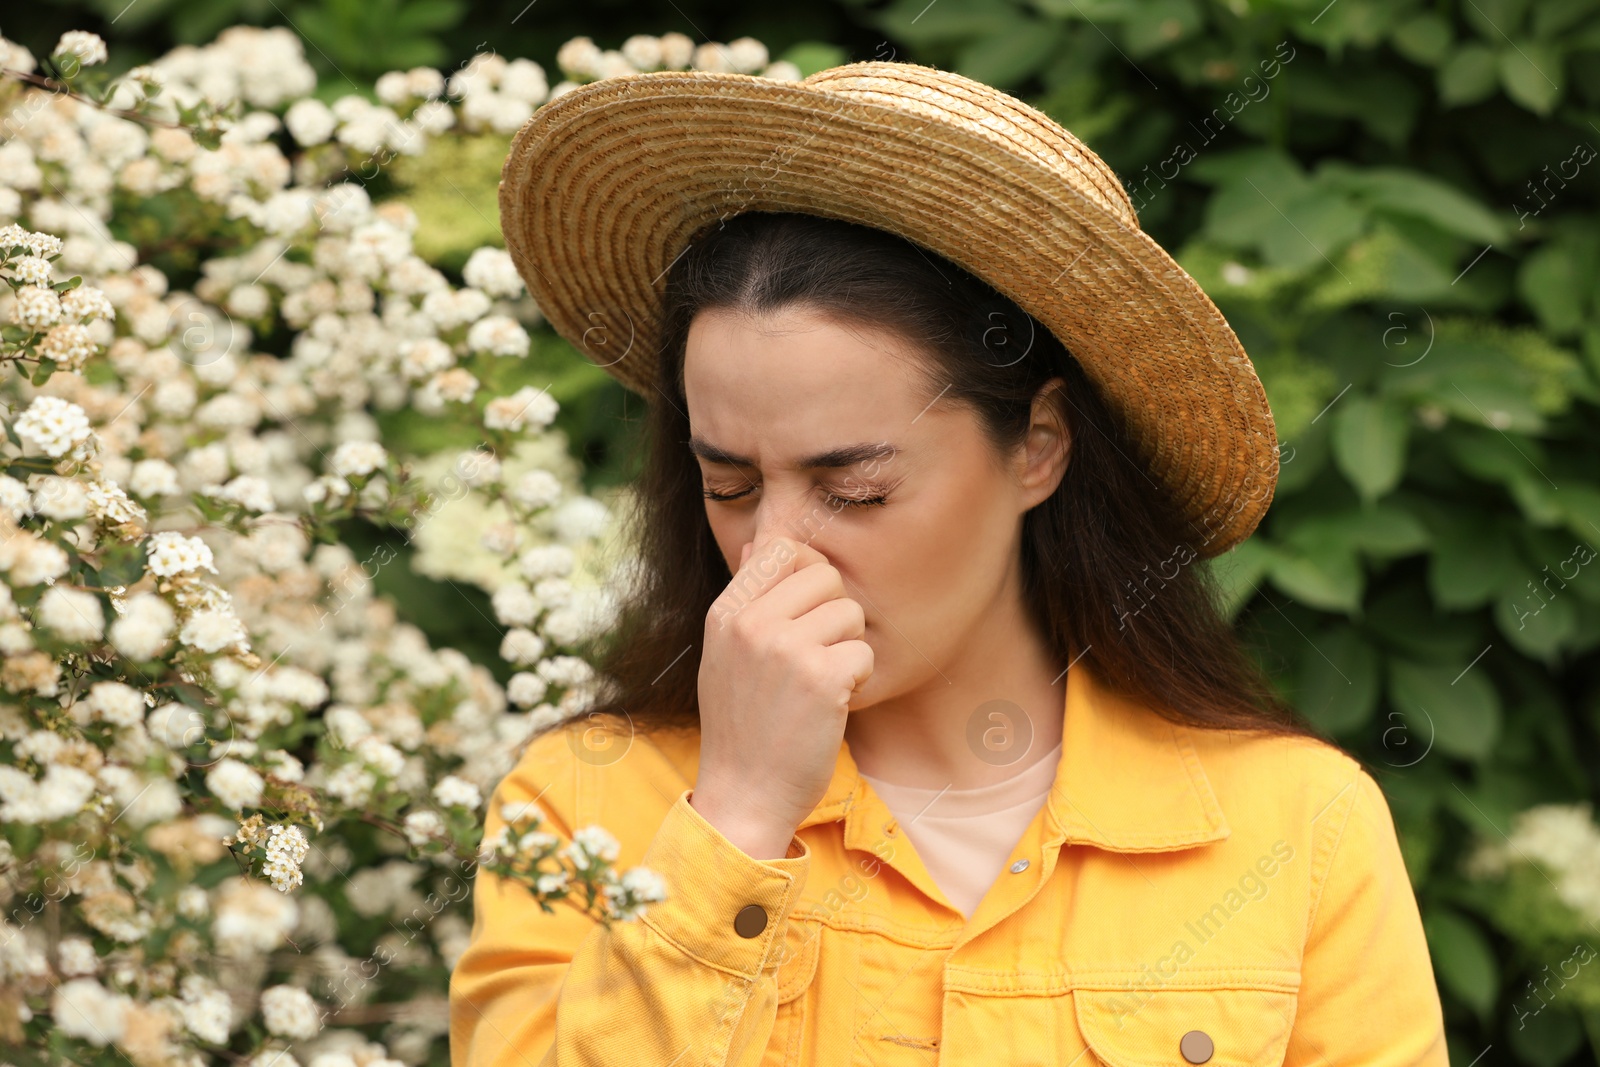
(793, 513)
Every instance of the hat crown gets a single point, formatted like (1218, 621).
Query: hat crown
(954, 97)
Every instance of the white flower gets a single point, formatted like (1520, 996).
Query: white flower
(565, 671)
(53, 425)
(525, 689)
(116, 703)
(526, 408)
(252, 917)
(78, 957)
(492, 270)
(514, 604)
(286, 848)
(355, 458)
(33, 270)
(208, 1014)
(290, 1012)
(498, 335)
(32, 560)
(309, 121)
(423, 826)
(248, 491)
(235, 784)
(87, 302)
(452, 791)
(536, 489)
(176, 725)
(72, 614)
(380, 755)
(144, 628)
(36, 307)
(84, 1008)
(171, 553)
(580, 518)
(193, 902)
(352, 783)
(546, 561)
(212, 630)
(449, 309)
(69, 344)
(90, 48)
(15, 500)
(111, 506)
(590, 843)
(153, 478)
(61, 498)
(521, 646)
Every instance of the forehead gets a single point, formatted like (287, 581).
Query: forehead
(795, 382)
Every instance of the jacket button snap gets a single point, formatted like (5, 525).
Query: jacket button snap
(751, 920)
(1195, 1046)
(1019, 866)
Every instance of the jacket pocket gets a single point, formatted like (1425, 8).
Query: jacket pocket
(796, 967)
(1216, 1027)
(797, 958)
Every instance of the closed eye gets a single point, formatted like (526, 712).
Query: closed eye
(833, 501)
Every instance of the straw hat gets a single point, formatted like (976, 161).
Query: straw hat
(605, 186)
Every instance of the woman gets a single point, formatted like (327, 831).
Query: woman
(922, 705)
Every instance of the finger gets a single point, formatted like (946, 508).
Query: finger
(772, 561)
(744, 553)
(840, 619)
(800, 592)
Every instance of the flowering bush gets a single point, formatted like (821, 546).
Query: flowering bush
(241, 797)
(1540, 886)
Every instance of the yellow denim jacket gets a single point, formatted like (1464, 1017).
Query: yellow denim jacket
(1184, 896)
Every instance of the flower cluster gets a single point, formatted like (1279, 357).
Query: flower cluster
(238, 785)
(520, 850)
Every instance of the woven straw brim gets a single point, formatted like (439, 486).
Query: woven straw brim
(605, 185)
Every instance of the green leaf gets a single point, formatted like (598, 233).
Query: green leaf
(1325, 575)
(1472, 560)
(1338, 681)
(1238, 573)
(1369, 444)
(1536, 613)
(1495, 20)
(1160, 24)
(1417, 195)
(1551, 17)
(1543, 1038)
(812, 56)
(1468, 77)
(1423, 39)
(1462, 958)
(1533, 75)
(1384, 529)
(1010, 56)
(416, 16)
(1580, 507)
(1556, 284)
(919, 24)
(1457, 702)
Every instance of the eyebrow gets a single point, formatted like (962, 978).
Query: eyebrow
(846, 456)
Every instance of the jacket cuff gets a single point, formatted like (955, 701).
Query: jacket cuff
(710, 880)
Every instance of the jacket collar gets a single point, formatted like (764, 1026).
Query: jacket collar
(1127, 780)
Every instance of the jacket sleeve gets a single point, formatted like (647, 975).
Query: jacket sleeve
(1367, 989)
(678, 985)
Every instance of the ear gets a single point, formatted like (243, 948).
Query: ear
(1042, 461)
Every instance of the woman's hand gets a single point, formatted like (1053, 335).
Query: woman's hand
(783, 657)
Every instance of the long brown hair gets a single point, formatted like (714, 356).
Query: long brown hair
(1097, 556)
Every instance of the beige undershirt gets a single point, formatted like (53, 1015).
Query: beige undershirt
(965, 836)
